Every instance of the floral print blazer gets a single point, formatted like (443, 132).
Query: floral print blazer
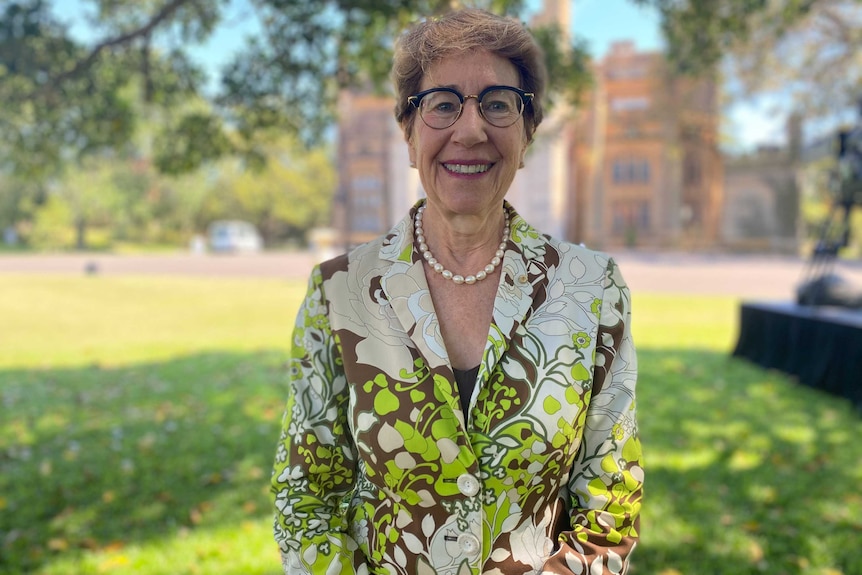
(379, 471)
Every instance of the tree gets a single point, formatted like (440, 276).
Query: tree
(289, 196)
(19, 200)
(64, 99)
(809, 49)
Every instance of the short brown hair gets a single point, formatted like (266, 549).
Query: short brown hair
(436, 38)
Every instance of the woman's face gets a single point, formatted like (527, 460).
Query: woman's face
(468, 167)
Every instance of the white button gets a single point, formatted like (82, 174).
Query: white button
(468, 485)
(469, 543)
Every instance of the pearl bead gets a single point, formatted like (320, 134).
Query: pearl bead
(419, 236)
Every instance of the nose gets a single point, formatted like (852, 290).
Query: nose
(470, 127)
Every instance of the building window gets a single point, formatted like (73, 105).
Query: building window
(631, 171)
(633, 104)
(367, 223)
(630, 216)
(691, 170)
(367, 183)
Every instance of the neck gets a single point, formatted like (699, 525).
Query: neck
(463, 258)
(463, 236)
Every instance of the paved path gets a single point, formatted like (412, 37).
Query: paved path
(745, 276)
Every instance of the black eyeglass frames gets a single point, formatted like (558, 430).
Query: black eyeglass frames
(500, 106)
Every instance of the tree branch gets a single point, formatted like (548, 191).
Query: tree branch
(166, 11)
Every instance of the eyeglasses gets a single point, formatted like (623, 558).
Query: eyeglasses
(501, 106)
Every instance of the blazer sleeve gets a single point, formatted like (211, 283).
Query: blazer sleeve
(606, 481)
(314, 471)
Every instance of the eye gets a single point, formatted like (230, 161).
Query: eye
(496, 105)
(441, 103)
(500, 102)
(443, 107)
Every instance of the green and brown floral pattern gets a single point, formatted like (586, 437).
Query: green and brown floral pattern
(378, 470)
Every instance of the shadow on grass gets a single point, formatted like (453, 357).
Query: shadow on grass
(99, 458)
(747, 471)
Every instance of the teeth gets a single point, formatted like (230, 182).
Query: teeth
(471, 169)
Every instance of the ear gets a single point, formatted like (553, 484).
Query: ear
(523, 154)
(411, 151)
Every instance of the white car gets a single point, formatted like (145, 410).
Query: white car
(234, 236)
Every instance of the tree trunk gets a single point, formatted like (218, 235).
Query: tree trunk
(81, 234)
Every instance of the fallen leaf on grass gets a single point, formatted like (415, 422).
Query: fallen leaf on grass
(751, 526)
(89, 543)
(255, 472)
(147, 442)
(114, 546)
(111, 564)
(58, 544)
(196, 514)
(755, 552)
(213, 478)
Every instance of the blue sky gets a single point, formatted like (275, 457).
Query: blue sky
(600, 22)
(603, 22)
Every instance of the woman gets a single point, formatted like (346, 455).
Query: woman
(470, 411)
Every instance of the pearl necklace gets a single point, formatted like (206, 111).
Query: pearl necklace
(419, 233)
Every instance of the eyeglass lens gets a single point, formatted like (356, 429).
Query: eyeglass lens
(500, 108)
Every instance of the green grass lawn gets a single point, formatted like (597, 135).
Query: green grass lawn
(139, 420)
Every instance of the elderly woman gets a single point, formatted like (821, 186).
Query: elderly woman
(463, 388)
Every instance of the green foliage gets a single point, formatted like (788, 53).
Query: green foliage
(196, 140)
(46, 122)
(569, 75)
(19, 200)
(698, 34)
(291, 194)
(52, 227)
(805, 49)
(120, 130)
(125, 199)
(142, 414)
(65, 99)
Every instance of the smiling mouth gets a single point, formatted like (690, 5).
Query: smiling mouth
(468, 169)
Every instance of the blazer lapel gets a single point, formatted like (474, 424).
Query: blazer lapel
(521, 276)
(407, 290)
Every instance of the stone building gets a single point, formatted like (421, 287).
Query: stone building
(375, 183)
(647, 168)
(762, 199)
